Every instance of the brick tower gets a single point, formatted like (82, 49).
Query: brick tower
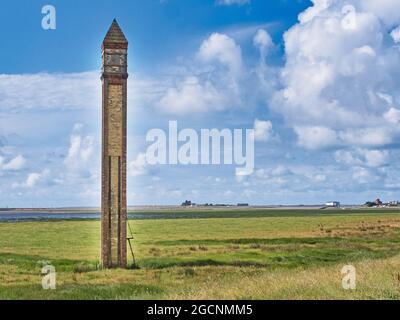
(113, 187)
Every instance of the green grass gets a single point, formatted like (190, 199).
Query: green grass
(195, 213)
(257, 254)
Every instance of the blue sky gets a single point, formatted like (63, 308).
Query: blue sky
(318, 81)
(159, 31)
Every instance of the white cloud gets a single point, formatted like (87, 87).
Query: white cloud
(200, 85)
(363, 157)
(232, 2)
(50, 91)
(33, 179)
(347, 158)
(277, 176)
(319, 178)
(263, 41)
(209, 83)
(338, 88)
(396, 35)
(240, 178)
(376, 158)
(80, 149)
(392, 115)
(191, 96)
(80, 161)
(319, 137)
(222, 49)
(363, 175)
(73, 91)
(138, 166)
(262, 130)
(341, 81)
(388, 11)
(316, 137)
(367, 137)
(77, 175)
(14, 164)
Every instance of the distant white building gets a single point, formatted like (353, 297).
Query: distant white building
(333, 204)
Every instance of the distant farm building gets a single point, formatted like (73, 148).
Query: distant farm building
(333, 204)
(188, 203)
(376, 203)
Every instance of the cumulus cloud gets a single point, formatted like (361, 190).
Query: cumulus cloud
(263, 41)
(206, 84)
(386, 10)
(262, 130)
(316, 137)
(78, 169)
(338, 90)
(373, 137)
(396, 35)
(212, 86)
(363, 157)
(277, 176)
(340, 80)
(222, 49)
(363, 175)
(80, 150)
(192, 96)
(138, 166)
(14, 164)
(392, 115)
(33, 179)
(296, 177)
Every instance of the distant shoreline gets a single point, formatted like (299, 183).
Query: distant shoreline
(133, 209)
(191, 213)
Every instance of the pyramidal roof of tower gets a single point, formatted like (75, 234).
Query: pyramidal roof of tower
(115, 34)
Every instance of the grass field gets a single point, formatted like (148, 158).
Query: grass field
(266, 254)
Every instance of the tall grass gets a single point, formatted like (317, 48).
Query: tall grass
(263, 257)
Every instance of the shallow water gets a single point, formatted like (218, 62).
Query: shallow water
(25, 216)
(38, 216)
(43, 216)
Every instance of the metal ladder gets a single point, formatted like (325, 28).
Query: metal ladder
(129, 239)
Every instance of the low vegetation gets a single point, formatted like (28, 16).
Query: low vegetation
(264, 254)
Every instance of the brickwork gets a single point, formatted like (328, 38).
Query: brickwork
(114, 145)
